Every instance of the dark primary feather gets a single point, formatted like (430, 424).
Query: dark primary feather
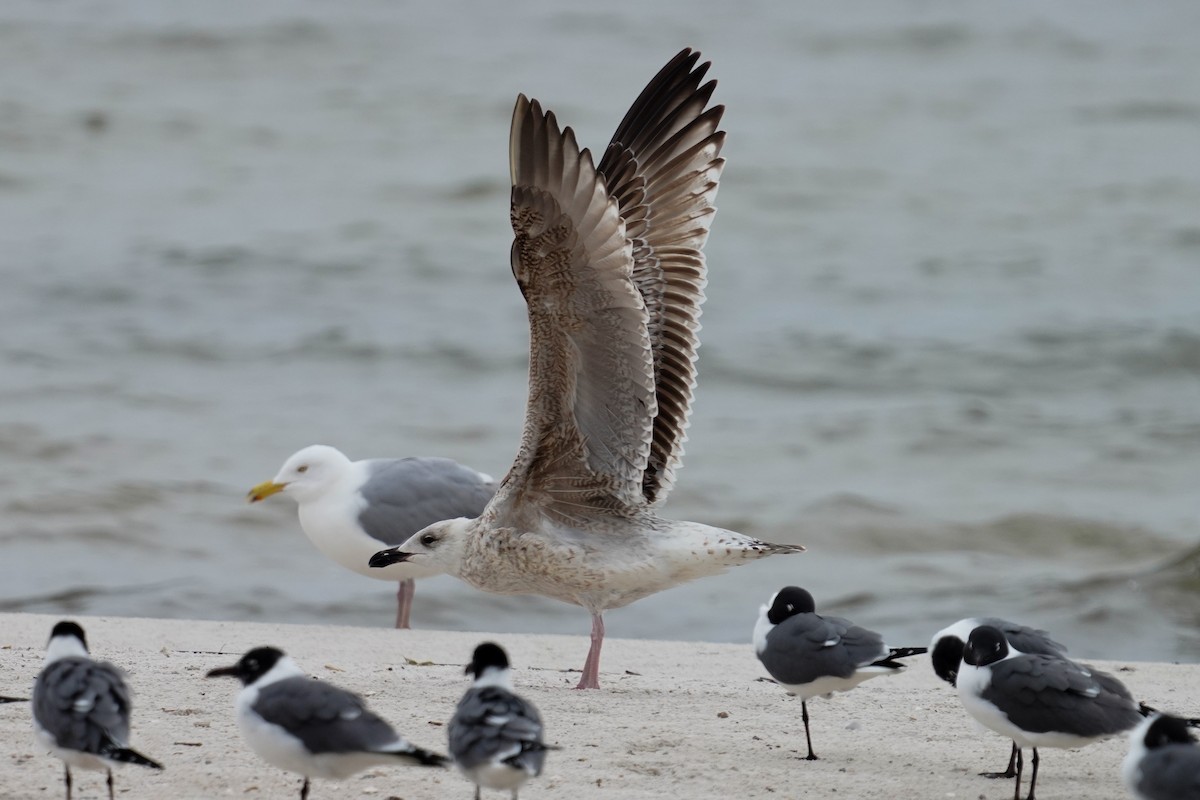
(127, 756)
(84, 704)
(662, 166)
(324, 718)
(492, 723)
(806, 647)
(1041, 693)
(407, 494)
(894, 654)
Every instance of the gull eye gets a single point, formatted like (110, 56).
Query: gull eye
(302, 468)
(428, 540)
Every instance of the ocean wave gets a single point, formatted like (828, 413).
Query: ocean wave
(1038, 359)
(849, 523)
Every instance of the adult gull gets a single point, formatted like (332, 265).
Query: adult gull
(946, 652)
(496, 735)
(1163, 761)
(1039, 700)
(609, 260)
(81, 708)
(813, 655)
(349, 509)
(310, 727)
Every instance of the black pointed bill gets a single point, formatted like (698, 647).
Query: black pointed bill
(385, 558)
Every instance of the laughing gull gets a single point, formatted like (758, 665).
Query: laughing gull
(1039, 700)
(1163, 761)
(946, 649)
(81, 708)
(496, 736)
(609, 259)
(350, 509)
(303, 725)
(811, 655)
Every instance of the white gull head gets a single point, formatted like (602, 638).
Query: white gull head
(313, 471)
(440, 546)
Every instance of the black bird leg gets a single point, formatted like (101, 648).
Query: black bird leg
(1033, 778)
(807, 736)
(304, 789)
(1011, 772)
(67, 779)
(1017, 785)
(110, 785)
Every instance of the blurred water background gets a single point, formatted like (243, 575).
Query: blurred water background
(952, 341)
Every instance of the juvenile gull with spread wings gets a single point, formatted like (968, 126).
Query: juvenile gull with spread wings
(609, 261)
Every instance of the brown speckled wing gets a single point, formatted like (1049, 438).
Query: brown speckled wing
(662, 166)
(591, 404)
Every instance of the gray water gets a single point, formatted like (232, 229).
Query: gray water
(952, 342)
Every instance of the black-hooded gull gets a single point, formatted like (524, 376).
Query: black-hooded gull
(609, 261)
(309, 727)
(1039, 700)
(350, 509)
(81, 708)
(811, 655)
(1163, 762)
(496, 735)
(946, 649)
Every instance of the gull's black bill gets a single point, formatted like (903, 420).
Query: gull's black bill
(224, 672)
(385, 558)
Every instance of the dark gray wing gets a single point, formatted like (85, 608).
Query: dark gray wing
(324, 718)
(1041, 693)
(492, 724)
(84, 704)
(806, 647)
(1026, 639)
(405, 495)
(1171, 773)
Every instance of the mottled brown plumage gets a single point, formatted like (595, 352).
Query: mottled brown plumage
(609, 261)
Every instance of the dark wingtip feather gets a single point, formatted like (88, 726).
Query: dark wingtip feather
(127, 755)
(425, 758)
(895, 653)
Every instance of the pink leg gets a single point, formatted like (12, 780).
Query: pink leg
(404, 598)
(591, 667)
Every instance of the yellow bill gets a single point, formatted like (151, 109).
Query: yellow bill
(265, 490)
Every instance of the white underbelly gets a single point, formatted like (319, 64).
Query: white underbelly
(497, 776)
(828, 685)
(72, 758)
